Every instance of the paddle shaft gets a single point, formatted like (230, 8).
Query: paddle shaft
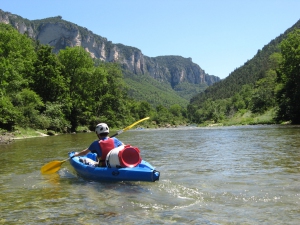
(129, 127)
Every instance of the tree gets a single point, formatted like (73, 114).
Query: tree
(16, 60)
(110, 102)
(176, 110)
(54, 118)
(238, 102)
(162, 115)
(77, 67)
(289, 77)
(16, 65)
(28, 103)
(47, 80)
(263, 96)
(8, 113)
(144, 109)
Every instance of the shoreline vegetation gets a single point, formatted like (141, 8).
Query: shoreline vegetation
(238, 120)
(262, 91)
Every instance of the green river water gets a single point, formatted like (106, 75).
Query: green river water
(220, 175)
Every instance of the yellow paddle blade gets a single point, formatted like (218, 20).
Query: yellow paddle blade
(51, 167)
(129, 127)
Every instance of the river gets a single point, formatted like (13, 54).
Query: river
(218, 175)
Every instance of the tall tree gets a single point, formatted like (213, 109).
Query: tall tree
(77, 67)
(16, 60)
(48, 81)
(16, 65)
(110, 102)
(289, 77)
(263, 96)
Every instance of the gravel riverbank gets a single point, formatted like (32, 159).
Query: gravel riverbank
(6, 138)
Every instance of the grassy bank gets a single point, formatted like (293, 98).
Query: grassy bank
(20, 133)
(245, 118)
(249, 118)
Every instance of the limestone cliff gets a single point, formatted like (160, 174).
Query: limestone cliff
(59, 33)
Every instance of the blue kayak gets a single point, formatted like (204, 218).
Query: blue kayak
(143, 171)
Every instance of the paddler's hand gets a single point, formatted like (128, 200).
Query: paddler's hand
(75, 155)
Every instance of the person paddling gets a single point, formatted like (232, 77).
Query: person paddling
(102, 146)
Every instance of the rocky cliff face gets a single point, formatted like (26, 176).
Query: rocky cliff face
(60, 34)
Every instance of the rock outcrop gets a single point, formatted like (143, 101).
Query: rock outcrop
(59, 33)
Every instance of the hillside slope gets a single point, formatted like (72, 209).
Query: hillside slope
(172, 71)
(249, 73)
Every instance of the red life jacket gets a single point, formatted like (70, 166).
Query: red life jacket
(106, 146)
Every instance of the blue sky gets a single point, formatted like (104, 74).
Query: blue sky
(219, 35)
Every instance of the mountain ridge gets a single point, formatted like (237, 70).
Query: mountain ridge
(59, 33)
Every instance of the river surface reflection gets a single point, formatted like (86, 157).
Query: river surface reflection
(219, 175)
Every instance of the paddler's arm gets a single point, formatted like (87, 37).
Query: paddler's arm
(83, 152)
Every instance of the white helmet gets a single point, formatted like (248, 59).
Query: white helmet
(101, 128)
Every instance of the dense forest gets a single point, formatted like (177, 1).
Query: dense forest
(43, 90)
(165, 80)
(61, 91)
